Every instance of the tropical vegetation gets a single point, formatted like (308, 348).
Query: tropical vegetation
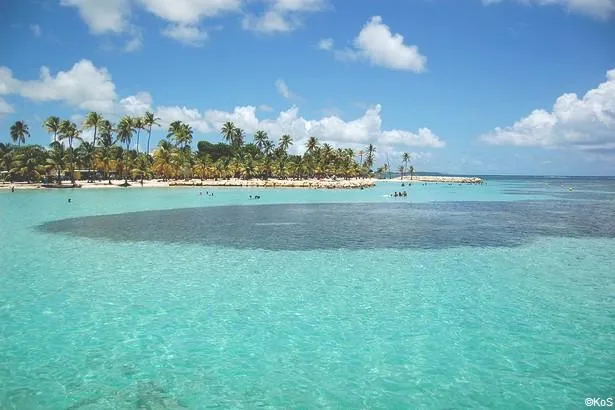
(100, 149)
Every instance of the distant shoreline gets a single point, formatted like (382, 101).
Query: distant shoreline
(328, 183)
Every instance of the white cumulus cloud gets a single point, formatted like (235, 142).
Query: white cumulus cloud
(189, 11)
(378, 45)
(137, 105)
(423, 138)
(283, 90)
(269, 22)
(84, 85)
(191, 116)
(187, 34)
(331, 129)
(5, 108)
(87, 87)
(8, 84)
(584, 123)
(185, 16)
(102, 16)
(282, 15)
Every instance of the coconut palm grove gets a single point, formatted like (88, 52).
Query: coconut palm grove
(113, 151)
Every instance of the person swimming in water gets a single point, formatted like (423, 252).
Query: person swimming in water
(69, 200)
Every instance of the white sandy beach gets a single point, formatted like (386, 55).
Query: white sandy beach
(270, 183)
(352, 183)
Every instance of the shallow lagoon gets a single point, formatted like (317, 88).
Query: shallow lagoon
(498, 295)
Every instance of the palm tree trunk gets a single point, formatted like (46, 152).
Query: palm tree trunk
(91, 166)
(124, 170)
(72, 161)
(149, 135)
(138, 131)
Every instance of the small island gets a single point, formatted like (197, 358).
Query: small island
(111, 158)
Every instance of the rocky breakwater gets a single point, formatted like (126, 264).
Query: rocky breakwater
(445, 179)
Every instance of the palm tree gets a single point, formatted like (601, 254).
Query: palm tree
(260, 140)
(149, 120)
(124, 135)
(401, 171)
(85, 156)
(106, 133)
(126, 165)
(173, 156)
(124, 131)
(238, 138)
(325, 157)
(105, 155)
(19, 132)
(175, 128)
(405, 158)
(164, 160)
(202, 165)
(52, 124)
(285, 142)
(93, 120)
(269, 148)
(228, 132)
(57, 159)
(311, 145)
(411, 171)
(369, 159)
(184, 136)
(69, 131)
(108, 158)
(141, 167)
(28, 163)
(138, 125)
(6, 158)
(183, 160)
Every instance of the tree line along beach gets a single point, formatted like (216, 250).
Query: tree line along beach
(100, 154)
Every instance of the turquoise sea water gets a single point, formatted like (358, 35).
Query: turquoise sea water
(493, 296)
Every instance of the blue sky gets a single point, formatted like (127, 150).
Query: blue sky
(472, 87)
